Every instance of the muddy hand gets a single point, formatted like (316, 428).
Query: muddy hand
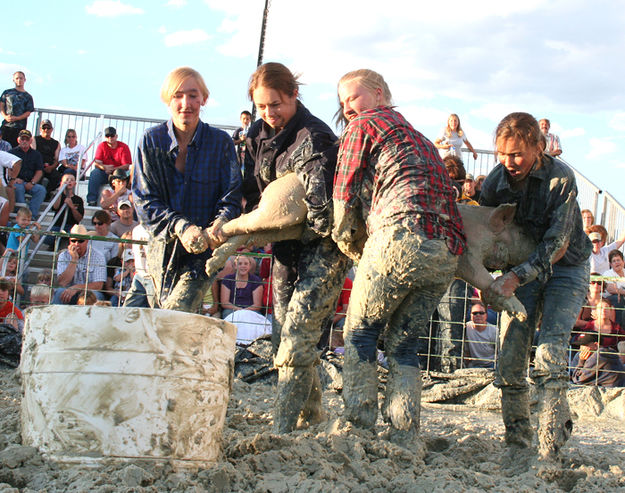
(215, 234)
(511, 304)
(194, 240)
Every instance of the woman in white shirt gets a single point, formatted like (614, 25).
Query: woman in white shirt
(71, 153)
(452, 138)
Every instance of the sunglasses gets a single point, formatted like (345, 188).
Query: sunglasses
(46, 127)
(109, 135)
(97, 223)
(478, 313)
(76, 240)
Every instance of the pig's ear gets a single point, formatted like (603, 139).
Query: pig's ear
(501, 217)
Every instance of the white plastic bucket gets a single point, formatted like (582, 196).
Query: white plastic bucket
(103, 383)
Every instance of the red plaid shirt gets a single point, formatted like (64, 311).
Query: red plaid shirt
(387, 171)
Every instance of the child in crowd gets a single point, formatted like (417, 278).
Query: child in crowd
(23, 220)
(8, 271)
(123, 278)
(87, 298)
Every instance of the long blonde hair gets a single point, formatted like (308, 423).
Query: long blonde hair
(459, 130)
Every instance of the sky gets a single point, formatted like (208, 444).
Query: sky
(482, 60)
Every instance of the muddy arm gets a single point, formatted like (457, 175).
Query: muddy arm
(472, 271)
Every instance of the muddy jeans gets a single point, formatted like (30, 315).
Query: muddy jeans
(553, 308)
(307, 282)
(400, 280)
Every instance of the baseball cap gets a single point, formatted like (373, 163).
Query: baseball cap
(469, 177)
(124, 202)
(25, 133)
(110, 132)
(47, 122)
(595, 236)
(128, 255)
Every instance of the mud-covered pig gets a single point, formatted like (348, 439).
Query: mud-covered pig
(494, 241)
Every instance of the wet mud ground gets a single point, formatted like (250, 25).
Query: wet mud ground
(462, 453)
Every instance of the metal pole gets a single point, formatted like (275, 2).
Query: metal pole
(261, 46)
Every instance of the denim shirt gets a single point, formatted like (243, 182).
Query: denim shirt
(168, 202)
(547, 210)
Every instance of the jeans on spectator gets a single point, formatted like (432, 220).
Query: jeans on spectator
(38, 194)
(97, 179)
(56, 299)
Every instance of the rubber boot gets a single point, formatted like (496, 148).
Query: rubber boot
(402, 403)
(360, 391)
(554, 420)
(515, 410)
(313, 412)
(294, 385)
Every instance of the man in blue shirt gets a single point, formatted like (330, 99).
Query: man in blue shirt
(187, 178)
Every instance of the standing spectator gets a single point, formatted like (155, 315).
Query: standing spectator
(599, 261)
(126, 221)
(30, 173)
(480, 339)
(73, 155)
(240, 134)
(451, 140)
(588, 218)
(101, 221)
(16, 105)
(390, 174)
(49, 149)
(73, 208)
(551, 284)
(10, 166)
(79, 268)
(119, 181)
(307, 274)
(4, 144)
(553, 147)
(186, 179)
(110, 155)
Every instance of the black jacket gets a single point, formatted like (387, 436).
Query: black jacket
(305, 146)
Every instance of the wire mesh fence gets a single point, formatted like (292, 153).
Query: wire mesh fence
(462, 333)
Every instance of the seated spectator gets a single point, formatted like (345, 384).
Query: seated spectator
(49, 149)
(469, 189)
(73, 209)
(616, 289)
(481, 339)
(8, 309)
(478, 183)
(241, 290)
(122, 280)
(210, 301)
(455, 170)
(119, 181)
(101, 221)
(141, 292)
(40, 294)
(30, 173)
(593, 297)
(4, 145)
(598, 360)
(599, 261)
(87, 298)
(10, 166)
(588, 219)
(126, 221)
(45, 277)
(10, 263)
(79, 268)
(110, 155)
(73, 156)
